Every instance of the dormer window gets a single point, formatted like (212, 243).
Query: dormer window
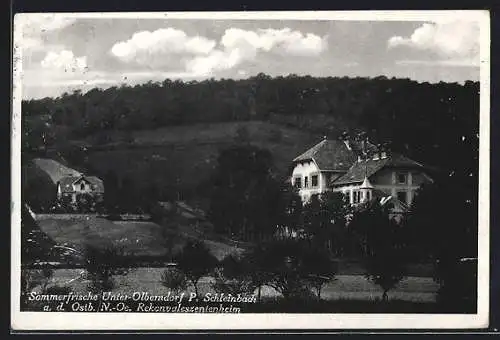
(383, 155)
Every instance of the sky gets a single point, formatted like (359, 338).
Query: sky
(63, 53)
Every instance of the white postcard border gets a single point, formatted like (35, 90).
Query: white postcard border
(170, 321)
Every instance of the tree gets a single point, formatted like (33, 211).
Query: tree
(244, 193)
(280, 261)
(253, 266)
(384, 261)
(233, 276)
(317, 268)
(174, 279)
(339, 211)
(325, 218)
(102, 263)
(442, 212)
(85, 201)
(290, 211)
(196, 261)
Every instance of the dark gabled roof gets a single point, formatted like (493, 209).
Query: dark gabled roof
(54, 169)
(67, 183)
(333, 154)
(66, 176)
(358, 170)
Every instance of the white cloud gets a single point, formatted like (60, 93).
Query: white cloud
(142, 46)
(239, 45)
(453, 41)
(64, 61)
(202, 56)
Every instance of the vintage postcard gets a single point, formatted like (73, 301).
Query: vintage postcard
(250, 170)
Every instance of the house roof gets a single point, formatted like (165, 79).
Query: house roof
(67, 183)
(54, 169)
(333, 154)
(66, 176)
(359, 170)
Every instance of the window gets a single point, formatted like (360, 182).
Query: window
(82, 186)
(402, 178)
(297, 182)
(314, 181)
(306, 182)
(402, 196)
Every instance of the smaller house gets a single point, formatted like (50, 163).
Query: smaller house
(68, 182)
(72, 186)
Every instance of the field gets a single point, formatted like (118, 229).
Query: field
(349, 292)
(344, 287)
(183, 157)
(140, 239)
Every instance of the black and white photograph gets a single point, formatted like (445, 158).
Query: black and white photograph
(250, 170)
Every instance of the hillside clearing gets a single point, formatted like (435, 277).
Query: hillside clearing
(137, 238)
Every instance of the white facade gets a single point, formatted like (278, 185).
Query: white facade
(78, 187)
(312, 180)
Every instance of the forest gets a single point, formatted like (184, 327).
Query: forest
(436, 124)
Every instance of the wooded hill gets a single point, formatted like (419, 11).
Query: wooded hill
(437, 124)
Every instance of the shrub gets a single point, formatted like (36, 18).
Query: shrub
(174, 279)
(195, 261)
(102, 264)
(58, 290)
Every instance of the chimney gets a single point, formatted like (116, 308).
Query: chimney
(365, 145)
(376, 156)
(345, 138)
(383, 151)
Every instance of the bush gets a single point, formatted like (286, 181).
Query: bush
(102, 264)
(174, 279)
(233, 277)
(58, 290)
(195, 261)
